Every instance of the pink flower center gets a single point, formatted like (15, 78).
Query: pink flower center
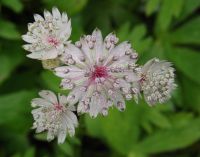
(99, 72)
(58, 107)
(52, 41)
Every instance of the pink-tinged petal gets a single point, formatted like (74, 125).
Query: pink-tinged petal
(69, 72)
(52, 116)
(98, 43)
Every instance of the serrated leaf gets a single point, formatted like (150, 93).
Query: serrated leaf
(30, 153)
(67, 149)
(189, 7)
(158, 119)
(94, 128)
(123, 31)
(8, 30)
(181, 119)
(71, 6)
(10, 58)
(137, 37)
(51, 81)
(189, 33)
(191, 92)
(177, 7)
(14, 109)
(172, 139)
(116, 126)
(15, 5)
(164, 16)
(186, 60)
(151, 6)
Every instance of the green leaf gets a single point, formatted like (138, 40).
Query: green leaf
(172, 139)
(116, 126)
(181, 119)
(30, 152)
(158, 119)
(123, 31)
(10, 58)
(189, 33)
(185, 60)
(51, 81)
(191, 92)
(165, 16)
(67, 149)
(8, 30)
(15, 5)
(14, 109)
(151, 6)
(94, 128)
(177, 7)
(189, 7)
(71, 6)
(137, 37)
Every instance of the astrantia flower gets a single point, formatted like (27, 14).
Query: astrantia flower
(157, 81)
(99, 73)
(54, 116)
(47, 36)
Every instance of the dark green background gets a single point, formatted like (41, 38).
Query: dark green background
(167, 29)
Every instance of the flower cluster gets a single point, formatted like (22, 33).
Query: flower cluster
(98, 72)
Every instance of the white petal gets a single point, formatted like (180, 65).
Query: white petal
(62, 99)
(38, 17)
(73, 117)
(49, 96)
(50, 136)
(61, 136)
(47, 15)
(64, 17)
(98, 43)
(74, 96)
(40, 102)
(44, 55)
(36, 55)
(69, 72)
(56, 13)
(65, 30)
(29, 39)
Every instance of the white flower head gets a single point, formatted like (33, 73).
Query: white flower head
(46, 37)
(157, 81)
(54, 116)
(99, 72)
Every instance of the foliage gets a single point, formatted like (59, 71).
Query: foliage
(167, 29)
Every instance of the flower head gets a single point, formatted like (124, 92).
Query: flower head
(47, 36)
(157, 81)
(99, 72)
(54, 116)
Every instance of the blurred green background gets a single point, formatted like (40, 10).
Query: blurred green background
(167, 29)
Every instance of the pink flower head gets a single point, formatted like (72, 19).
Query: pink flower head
(46, 37)
(99, 73)
(54, 116)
